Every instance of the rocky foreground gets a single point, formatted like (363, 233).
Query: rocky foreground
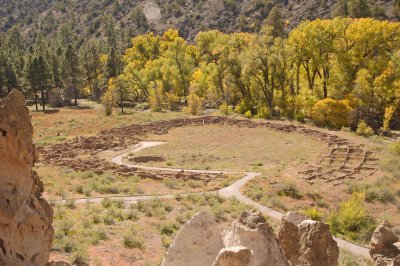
(26, 231)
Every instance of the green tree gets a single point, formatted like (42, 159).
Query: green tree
(276, 21)
(358, 8)
(72, 71)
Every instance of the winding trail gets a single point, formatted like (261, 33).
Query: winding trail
(231, 191)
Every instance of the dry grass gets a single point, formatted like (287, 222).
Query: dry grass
(64, 183)
(114, 234)
(58, 125)
(231, 148)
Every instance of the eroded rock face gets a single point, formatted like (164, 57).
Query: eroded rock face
(197, 243)
(307, 242)
(252, 231)
(234, 256)
(385, 246)
(26, 231)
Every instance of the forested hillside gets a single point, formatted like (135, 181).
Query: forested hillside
(189, 17)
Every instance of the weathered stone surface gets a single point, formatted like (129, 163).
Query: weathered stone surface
(197, 243)
(317, 246)
(307, 242)
(289, 237)
(26, 231)
(234, 256)
(252, 231)
(385, 249)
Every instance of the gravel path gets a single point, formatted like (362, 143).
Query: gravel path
(231, 191)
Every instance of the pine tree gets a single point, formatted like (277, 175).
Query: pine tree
(275, 20)
(72, 71)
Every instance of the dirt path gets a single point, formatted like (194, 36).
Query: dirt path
(231, 191)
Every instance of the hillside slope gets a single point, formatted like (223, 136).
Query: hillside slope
(138, 16)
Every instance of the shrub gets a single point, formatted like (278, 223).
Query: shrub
(300, 118)
(395, 147)
(80, 257)
(70, 204)
(168, 228)
(225, 109)
(108, 102)
(244, 106)
(195, 104)
(389, 111)
(132, 241)
(313, 213)
(166, 241)
(248, 114)
(264, 112)
(173, 101)
(364, 130)
(352, 219)
(156, 99)
(331, 113)
(289, 190)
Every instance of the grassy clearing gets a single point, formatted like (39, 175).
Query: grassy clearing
(135, 234)
(58, 125)
(61, 183)
(231, 148)
(282, 190)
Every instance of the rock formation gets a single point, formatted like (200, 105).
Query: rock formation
(250, 241)
(385, 246)
(197, 243)
(307, 242)
(26, 231)
(252, 231)
(234, 256)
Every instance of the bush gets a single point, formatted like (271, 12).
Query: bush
(300, 118)
(395, 147)
(173, 101)
(290, 190)
(331, 113)
(389, 111)
(225, 109)
(132, 241)
(244, 106)
(264, 112)
(248, 114)
(313, 213)
(80, 257)
(352, 219)
(364, 130)
(195, 104)
(156, 99)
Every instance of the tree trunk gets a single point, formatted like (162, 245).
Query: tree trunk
(36, 102)
(43, 99)
(76, 95)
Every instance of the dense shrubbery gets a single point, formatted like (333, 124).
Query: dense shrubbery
(352, 219)
(364, 130)
(331, 113)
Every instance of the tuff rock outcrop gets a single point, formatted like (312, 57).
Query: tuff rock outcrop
(385, 246)
(252, 231)
(197, 243)
(250, 241)
(307, 242)
(26, 231)
(234, 256)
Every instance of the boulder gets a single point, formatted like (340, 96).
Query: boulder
(307, 242)
(26, 231)
(252, 231)
(197, 243)
(385, 248)
(234, 256)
